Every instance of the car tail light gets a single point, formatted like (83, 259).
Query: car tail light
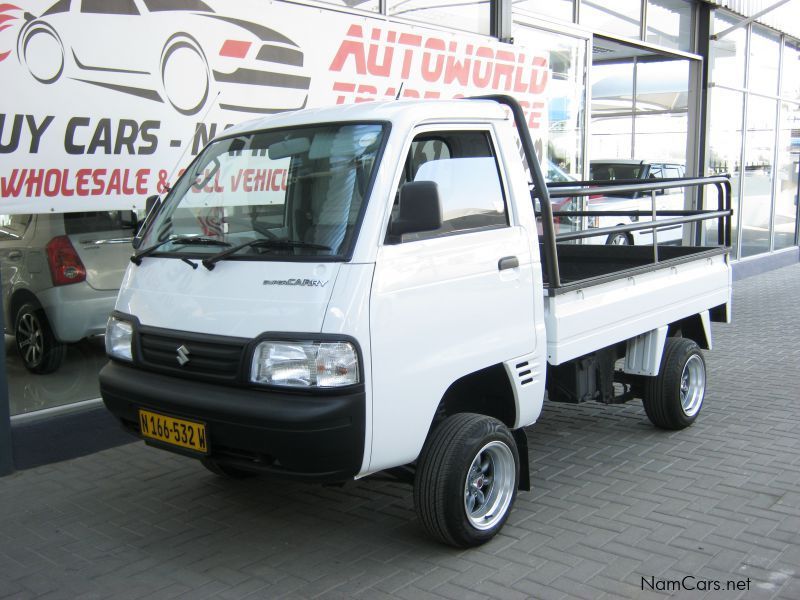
(65, 264)
(235, 49)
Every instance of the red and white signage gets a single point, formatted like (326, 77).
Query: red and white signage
(103, 102)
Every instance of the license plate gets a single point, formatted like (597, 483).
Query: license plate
(178, 432)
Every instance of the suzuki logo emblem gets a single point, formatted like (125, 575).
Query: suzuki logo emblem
(183, 355)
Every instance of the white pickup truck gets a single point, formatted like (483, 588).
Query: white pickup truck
(331, 293)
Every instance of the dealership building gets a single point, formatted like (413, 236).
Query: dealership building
(112, 99)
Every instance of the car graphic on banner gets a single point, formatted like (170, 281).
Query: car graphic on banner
(198, 54)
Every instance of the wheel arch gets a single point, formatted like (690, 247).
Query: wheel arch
(695, 327)
(18, 299)
(487, 392)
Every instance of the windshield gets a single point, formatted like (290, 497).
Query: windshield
(615, 170)
(304, 186)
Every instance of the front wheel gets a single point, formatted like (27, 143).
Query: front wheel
(185, 74)
(673, 399)
(466, 480)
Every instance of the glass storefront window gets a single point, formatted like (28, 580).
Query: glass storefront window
(469, 15)
(560, 9)
(790, 86)
(669, 23)
(728, 54)
(756, 205)
(620, 17)
(566, 91)
(786, 199)
(764, 59)
(653, 125)
(612, 110)
(662, 110)
(66, 269)
(725, 109)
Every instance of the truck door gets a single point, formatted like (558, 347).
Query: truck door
(449, 302)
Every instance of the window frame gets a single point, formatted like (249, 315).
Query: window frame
(110, 11)
(442, 130)
(9, 235)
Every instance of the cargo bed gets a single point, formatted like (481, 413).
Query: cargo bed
(614, 297)
(584, 265)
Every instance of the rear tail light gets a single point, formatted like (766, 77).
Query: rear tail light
(65, 264)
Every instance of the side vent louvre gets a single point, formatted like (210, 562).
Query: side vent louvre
(526, 372)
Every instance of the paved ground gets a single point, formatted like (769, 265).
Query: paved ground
(614, 501)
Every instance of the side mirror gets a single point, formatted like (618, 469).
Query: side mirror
(420, 208)
(151, 207)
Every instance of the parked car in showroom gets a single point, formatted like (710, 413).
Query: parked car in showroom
(669, 199)
(60, 277)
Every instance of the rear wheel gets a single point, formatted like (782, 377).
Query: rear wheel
(619, 239)
(673, 399)
(466, 480)
(37, 346)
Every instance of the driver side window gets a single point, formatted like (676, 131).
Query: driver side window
(464, 167)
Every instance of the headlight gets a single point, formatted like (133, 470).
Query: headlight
(305, 364)
(119, 335)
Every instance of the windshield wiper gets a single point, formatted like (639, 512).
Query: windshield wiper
(182, 240)
(210, 261)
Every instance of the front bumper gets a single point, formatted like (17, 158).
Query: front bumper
(316, 437)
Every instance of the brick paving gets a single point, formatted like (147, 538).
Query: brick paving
(614, 501)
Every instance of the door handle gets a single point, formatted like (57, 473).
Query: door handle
(508, 262)
(14, 255)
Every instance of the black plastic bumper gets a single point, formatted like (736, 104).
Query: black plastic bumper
(318, 437)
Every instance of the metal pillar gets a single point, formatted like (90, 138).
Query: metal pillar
(6, 447)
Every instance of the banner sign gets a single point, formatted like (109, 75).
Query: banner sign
(103, 102)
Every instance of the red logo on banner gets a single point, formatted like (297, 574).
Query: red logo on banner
(5, 23)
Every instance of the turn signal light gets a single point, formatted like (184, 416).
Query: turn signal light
(65, 264)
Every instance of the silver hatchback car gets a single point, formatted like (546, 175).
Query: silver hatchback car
(60, 277)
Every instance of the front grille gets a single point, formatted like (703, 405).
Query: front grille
(213, 358)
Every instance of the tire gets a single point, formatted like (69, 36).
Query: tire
(466, 480)
(673, 398)
(38, 348)
(42, 51)
(619, 239)
(226, 470)
(185, 75)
